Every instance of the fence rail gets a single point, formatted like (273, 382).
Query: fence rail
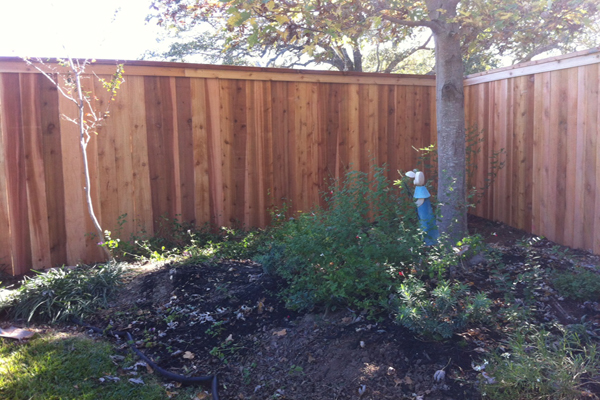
(199, 143)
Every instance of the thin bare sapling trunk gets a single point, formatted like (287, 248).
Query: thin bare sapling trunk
(71, 88)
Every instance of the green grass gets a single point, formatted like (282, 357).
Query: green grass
(61, 367)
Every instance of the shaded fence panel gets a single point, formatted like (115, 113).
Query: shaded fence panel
(548, 123)
(200, 145)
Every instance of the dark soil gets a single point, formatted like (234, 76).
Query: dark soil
(226, 319)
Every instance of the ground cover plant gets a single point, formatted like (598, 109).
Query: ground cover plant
(66, 366)
(61, 293)
(345, 302)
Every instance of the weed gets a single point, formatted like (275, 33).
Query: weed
(224, 350)
(296, 370)
(535, 364)
(579, 284)
(216, 329)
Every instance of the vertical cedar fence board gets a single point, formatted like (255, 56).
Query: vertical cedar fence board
(223, 145)
(203, 144)
(546, 116)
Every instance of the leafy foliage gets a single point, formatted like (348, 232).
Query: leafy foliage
(581, 284)
(351, 252)
(441, 311)
(184, 242)
(378, 36)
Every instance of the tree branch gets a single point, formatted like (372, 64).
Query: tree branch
(535, 52)
(405, 55)
(429, 24)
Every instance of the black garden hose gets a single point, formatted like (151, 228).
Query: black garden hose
(169, 375)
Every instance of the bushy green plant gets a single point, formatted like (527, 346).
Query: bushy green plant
(535, 364)
(580, 284)
(61, 293)
(439, 312)
(182, 241)
(351, 252)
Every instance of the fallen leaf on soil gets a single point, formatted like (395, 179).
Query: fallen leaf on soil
(311, 359)
(261, 304)
(229, 338)
(16, 333)
(188, 355)
(282, 332)
(171, 394)
(480, 350)
(407, 380)
(201, 396)
(138, 381)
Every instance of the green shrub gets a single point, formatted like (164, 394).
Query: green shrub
(580, 284)
(350, 253)
(184, 242)
(439, 312)
(171, 239)
(62, 293)
(536, 364)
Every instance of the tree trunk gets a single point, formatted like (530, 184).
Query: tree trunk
(450, 112)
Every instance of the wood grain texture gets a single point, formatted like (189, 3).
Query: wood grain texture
(225, 147)
(35, 172)
(53, 168)
(16, 176)
(7, 263)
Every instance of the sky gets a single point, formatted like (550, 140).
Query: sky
(101, 29)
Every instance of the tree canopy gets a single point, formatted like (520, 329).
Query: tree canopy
(361, 35)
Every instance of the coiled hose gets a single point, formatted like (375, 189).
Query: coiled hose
(212, 379)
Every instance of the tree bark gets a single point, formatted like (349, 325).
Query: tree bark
(450, 112)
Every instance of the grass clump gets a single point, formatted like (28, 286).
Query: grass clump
(62, 293)
(67, 367)
(537, 364)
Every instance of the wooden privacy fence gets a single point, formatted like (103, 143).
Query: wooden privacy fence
(546, 114)
(196, 142)
(223, 144)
